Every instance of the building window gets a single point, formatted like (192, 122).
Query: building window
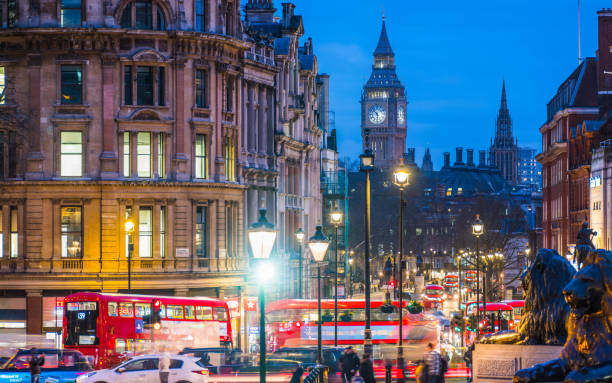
(139, 15)
(127, 172)
(71, 231)
(231, 229)
(162, 231)
(72, 84)
(161, 155)
(144, 79)
(127, 85)
(230, 160)
(70, 14)
(2, 83)
(161, 86)
(143, 152)
(229, 94)
(201, 159)
(11, 13)
(1, 229)
(71, 154)
(8, 154)
(128, 215)
(200, 232)
(14, 245)
(145, 232)
(200, 17)
(200, 85)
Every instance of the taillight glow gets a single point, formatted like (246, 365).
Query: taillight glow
(204, 372)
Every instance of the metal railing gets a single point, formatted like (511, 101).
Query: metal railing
(293, 201)
(119, 264)
(258, 58)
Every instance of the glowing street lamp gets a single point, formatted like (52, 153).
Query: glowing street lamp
(129, 226)
(262, 236)
(336, 219)
(318, 245)
(299, 235)
(477, 231)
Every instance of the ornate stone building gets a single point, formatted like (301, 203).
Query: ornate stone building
(383, 108)
(114, 110)
(504, 151)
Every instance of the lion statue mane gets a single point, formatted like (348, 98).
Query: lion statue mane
(587, 354)
(545, 313)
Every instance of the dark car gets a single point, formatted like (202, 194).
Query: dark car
(61, 366)
(307, 356)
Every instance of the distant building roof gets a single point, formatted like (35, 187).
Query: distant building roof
(578, 90)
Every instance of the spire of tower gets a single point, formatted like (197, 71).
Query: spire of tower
(384, 47)
(503, 125)
(503, 96)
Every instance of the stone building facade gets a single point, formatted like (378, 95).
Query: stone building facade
(113, 110)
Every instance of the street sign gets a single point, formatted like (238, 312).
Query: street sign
(182, 252)
(250, 304)
(341, 293)
(139, 323)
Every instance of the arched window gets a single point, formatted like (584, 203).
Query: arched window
(143, 14)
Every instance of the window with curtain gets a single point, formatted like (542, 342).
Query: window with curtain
(143, 153)
(230, 160)
(14, 240)
(145, 232)
(11, 13)
(72, 84)
(71, 154)
(200, 17)
(200, 232)
(161, 155)
(162, 231)
(201, 159)
(71, 13)
(71, 232)
(200, 85)
(144, 83)
(127, 172)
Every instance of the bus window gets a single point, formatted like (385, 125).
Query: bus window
(142, 310)
(220, 314)
(119, 345)
(189, 312)
(126, 310)
(112, 309)
(175, 312)
(81, 324)
(162, 312)
(204, 313)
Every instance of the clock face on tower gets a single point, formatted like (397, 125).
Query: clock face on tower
(400, 115)
(377, 114)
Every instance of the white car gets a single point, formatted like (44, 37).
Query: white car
(144, 369)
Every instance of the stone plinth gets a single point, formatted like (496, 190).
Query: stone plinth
(499, 362)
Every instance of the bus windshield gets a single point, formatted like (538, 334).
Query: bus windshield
(81, 323)
(433, 292)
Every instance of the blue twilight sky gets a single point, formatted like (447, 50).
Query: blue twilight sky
(451, 57)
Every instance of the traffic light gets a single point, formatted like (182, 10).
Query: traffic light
(156, 314)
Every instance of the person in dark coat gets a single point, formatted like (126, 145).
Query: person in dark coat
(366, 369)
(36, 363)
(349, 364)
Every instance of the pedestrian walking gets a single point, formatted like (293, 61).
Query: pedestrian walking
(366, 369)
(36, 362)
(164, 367)
(432, 358)
(349, 363)
(467, 356)
(421, 372)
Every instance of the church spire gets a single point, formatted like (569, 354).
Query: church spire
(384, 47)
(503, 124)
(504, 104)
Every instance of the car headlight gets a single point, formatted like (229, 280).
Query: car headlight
(80, 378)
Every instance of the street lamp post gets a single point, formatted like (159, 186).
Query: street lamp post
(299, 235)
(261, 238)
(401, 176)
(129, 229)
(460, 289)
(477, 230)
(318, 245)
(367, 165)
(336, 219)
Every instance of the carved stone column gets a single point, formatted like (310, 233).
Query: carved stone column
(108, 157)
(35, 158)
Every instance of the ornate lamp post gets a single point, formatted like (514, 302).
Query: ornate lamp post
(478, 230)
(299, 235)
(261, 238)
(401, 176)
(318, 245)
(336, 218)
(366, 165)
(129, 226)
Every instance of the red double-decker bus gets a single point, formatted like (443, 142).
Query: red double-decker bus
(109, 327)
(498, 317)
(293, 323)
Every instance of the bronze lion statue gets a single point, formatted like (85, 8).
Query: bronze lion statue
(587, 354)
(546, 311)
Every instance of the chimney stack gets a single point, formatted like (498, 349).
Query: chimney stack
(447, 159)
(470, 157)
(287, 14)
(259, 11)
(409, 156)
(482, 155)
(459, 160)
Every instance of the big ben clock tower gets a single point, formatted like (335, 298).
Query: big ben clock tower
(383, 108)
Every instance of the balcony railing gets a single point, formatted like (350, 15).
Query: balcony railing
(333, 183)
(258, 58)
(120, 264)
(293, 201)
